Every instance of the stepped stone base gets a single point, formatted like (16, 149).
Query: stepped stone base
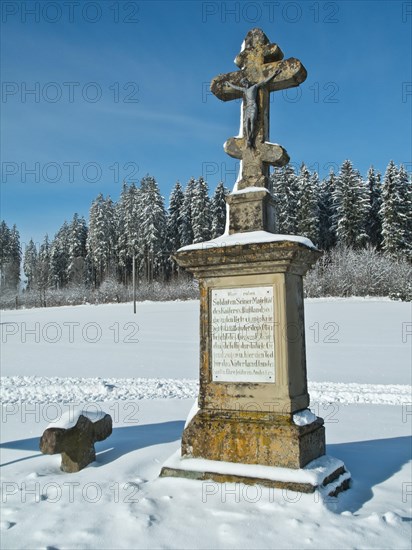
(325, 474)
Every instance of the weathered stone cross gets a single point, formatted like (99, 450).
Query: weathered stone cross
(262, 70)
(76, 444)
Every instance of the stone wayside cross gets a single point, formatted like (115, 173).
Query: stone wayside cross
(252, 424)
(262, 70)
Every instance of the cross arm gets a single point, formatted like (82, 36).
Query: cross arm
(220, 88)
(269, 153)
(292, 74)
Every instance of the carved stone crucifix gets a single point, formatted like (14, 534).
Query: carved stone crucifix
(262, 70)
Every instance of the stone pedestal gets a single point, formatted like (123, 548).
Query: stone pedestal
(252, 356)
(253, 438)
(251, 211)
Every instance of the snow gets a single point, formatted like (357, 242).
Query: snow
(69, 418)
(314, 473)
(250, 190)
(359, 373)
(303, 418)
(250, 237)
(193, 411)
(45, 390)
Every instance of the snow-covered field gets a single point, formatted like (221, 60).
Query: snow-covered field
(142, 369)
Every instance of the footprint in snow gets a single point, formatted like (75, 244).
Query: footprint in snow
(295, 522)
(5, 525)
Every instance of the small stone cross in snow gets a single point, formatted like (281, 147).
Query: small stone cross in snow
(76, 444)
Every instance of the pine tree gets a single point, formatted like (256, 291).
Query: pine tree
(122, 252)
(308, 214)
(174, 227)
(30, 265)
(286, 196)
(373, 218)
(174, 220)
(77, 238)
(218, 210)
(187, 224)
(5, 241)
(59, 257)
(43, 270)
(152, 235)
(327, 213)
(351, 203)
(405, 187)
(128, 228)
(201, 212)
(101, 238)
(393, 212)
(13, 268)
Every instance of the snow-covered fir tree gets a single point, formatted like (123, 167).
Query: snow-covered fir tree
(186, 219)
(351, 204)
(10, 257)
(218, 210)
(373, 218)
(128, 227)
(30, 265)
(122, 241)
(286, 195)
(59, 257)
(4, 251)
(43, 270)
(327, 236)
(201, 221)
(5, 242)
(394, 211)
(152, 235)
(307, 207)
(77, 250)
(100, 242)
(13, 270)
(405, 185)
(174, 226)
(174, 220)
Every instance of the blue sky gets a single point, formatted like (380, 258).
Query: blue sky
(121, 90)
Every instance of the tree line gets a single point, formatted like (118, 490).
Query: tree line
(343, 209)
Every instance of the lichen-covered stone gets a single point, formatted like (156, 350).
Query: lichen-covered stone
(76, 444)
(253, 438)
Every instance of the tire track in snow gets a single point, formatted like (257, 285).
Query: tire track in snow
(38, 389)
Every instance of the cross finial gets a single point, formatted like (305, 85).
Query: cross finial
(262, 70)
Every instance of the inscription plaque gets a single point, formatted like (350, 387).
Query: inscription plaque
(243, 348)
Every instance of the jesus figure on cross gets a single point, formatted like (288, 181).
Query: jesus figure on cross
(250, 92)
